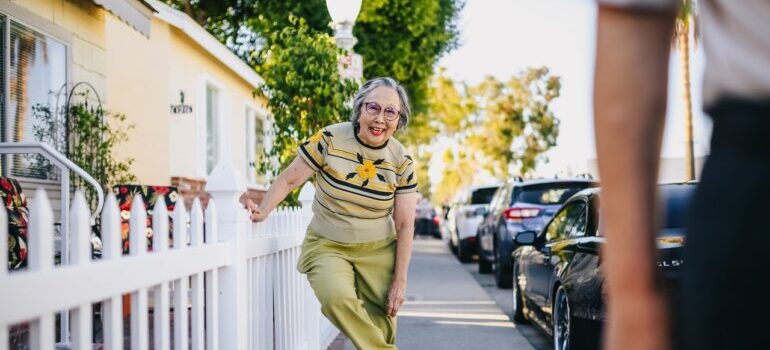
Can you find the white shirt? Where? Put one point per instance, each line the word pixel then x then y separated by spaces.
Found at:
pixel 736 39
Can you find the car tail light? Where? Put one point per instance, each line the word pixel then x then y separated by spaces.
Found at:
pixel 436 220
pixel 517 214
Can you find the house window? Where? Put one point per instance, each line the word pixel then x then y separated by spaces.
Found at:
pixel 255 146
pixel 34 72
pixel 212 129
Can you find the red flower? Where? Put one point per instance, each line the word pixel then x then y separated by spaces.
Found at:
pixel 6 184
pixel 23 253
pixel 160 190
pixel 126 205
pixel 123 190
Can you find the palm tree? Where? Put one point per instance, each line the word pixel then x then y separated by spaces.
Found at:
pixel 686 20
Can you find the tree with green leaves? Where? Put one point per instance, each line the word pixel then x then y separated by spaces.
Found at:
pixel 302 86
pixel 516 124
pixel 397 38
pixel 448 113
pixel 402 39
pixel 459 170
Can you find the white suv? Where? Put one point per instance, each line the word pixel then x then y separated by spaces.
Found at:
pixel 464 218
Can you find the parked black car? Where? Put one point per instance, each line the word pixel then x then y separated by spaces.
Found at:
pixel 557 280
pixel 519 206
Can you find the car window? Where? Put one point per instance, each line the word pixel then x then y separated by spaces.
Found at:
pixel 550 193
pixel 562 224
pixel 502 199
pixel 483 195
pixel 675 201
pixel 495 202
pixel 579 228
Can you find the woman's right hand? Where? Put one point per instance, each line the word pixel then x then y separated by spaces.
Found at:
pixel 255 213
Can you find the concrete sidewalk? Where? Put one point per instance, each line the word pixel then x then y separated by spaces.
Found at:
pixel 447 309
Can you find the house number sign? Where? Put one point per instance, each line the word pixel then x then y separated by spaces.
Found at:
pixel 181 108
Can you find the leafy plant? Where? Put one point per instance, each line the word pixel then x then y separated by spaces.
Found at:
pixel 48 127
pixel 88 140
pixel 303 88
pixel 93 134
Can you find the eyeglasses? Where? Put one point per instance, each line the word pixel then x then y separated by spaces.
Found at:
pixel 374 109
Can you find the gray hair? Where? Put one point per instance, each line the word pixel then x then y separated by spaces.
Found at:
pixel 369 86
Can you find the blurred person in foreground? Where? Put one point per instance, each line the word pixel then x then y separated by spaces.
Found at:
pixel 726 240
pixel 358 245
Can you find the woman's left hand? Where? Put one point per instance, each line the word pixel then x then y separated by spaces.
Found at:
pixel 396 296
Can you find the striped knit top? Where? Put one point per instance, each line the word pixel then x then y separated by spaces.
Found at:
pixel 356 184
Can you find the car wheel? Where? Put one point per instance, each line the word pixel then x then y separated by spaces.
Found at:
pixel 502 271
pixel 518 301
pixel 464 253
pixel 563 324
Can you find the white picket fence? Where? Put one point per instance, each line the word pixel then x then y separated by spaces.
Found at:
pixel 236 279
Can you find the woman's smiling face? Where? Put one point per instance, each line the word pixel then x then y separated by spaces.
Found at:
pixel 379 116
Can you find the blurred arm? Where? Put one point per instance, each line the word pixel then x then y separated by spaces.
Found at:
pixel 631 78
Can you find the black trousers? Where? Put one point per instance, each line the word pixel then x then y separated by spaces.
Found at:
pixel 725 302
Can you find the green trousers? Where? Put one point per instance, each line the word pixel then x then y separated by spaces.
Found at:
pixel 351 281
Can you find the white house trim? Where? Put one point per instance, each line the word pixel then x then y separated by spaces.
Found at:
pixel 222 121
pixel 135 13
pixel 198 34
pixel 261 114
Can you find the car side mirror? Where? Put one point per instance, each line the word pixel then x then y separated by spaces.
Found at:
pixel 526 237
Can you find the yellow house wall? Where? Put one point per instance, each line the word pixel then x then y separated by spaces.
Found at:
pixel 144 78
pixel 191 69
pixel 141 78
pixel 137 80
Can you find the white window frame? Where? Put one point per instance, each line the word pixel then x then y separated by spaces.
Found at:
pixel 27 18
pixel 206 81
pixel 252 113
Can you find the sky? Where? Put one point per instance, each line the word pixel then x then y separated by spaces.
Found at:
pixel 503 37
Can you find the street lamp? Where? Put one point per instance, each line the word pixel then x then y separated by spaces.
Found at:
pixel 344 13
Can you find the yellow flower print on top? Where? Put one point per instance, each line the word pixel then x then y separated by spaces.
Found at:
pixel 317 137
pixel 367 170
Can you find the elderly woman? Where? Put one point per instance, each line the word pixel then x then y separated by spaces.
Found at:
pixel 359 242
